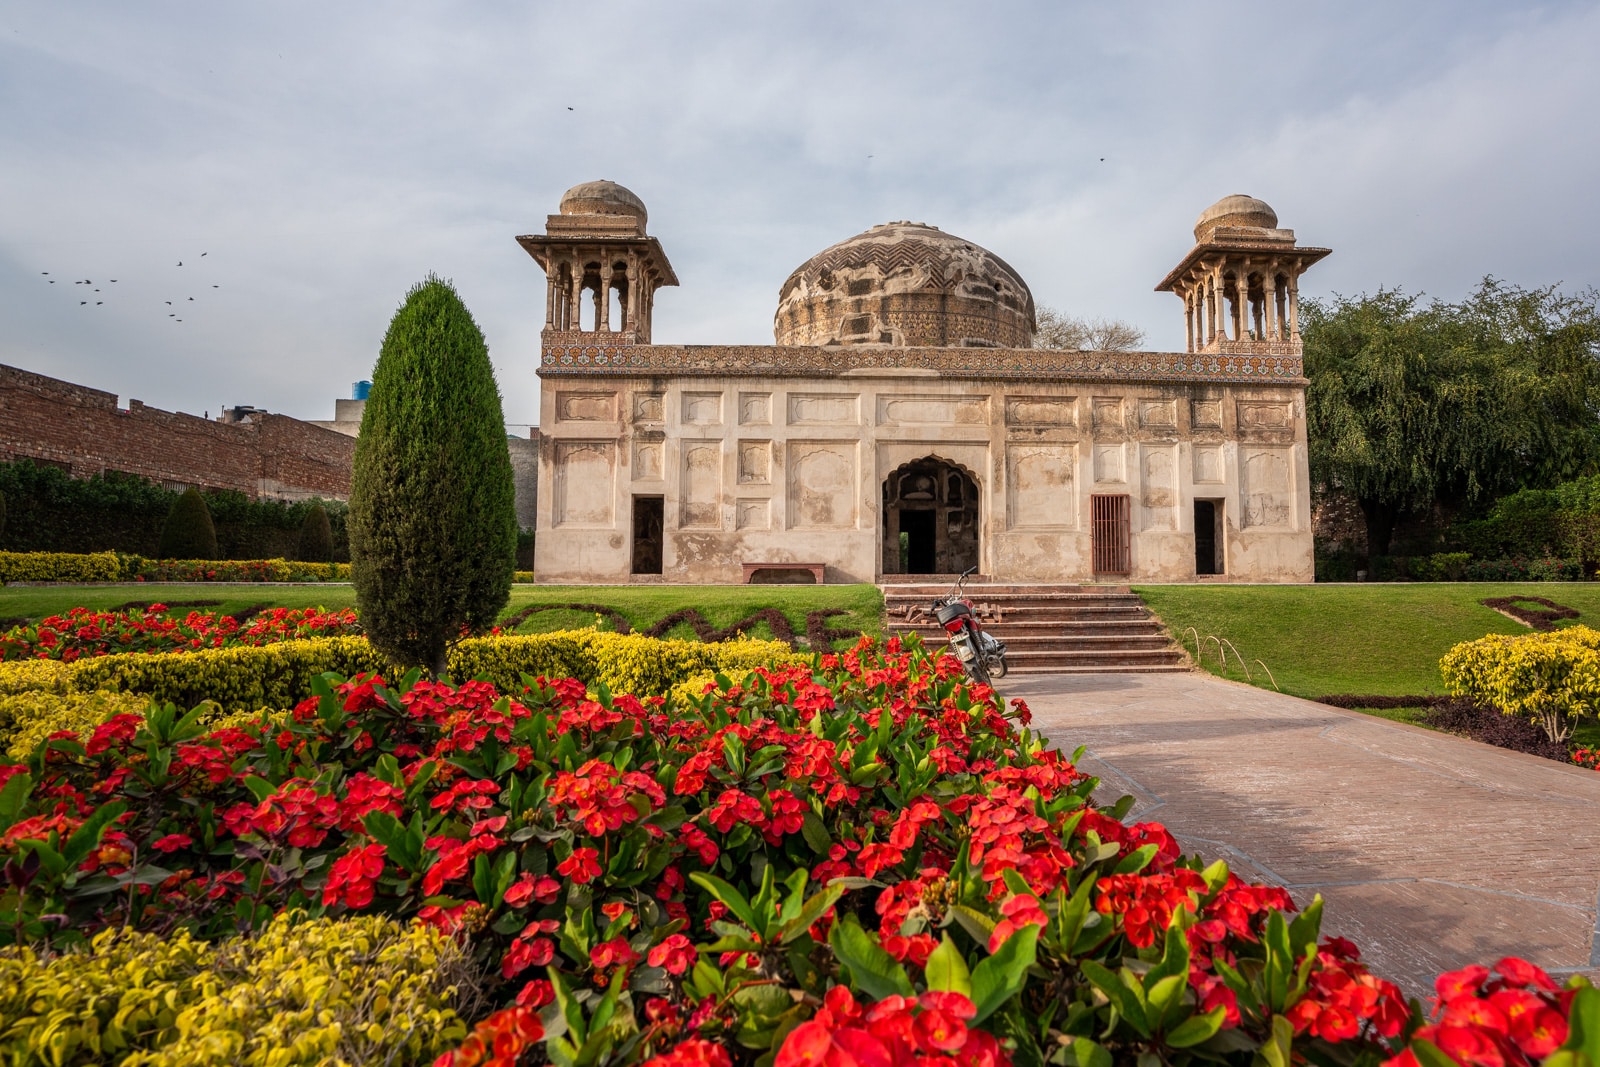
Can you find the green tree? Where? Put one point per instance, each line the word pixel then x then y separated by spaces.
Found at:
pixel 189 532
pixel 316 536
pixel 432 520
pixel 1410 406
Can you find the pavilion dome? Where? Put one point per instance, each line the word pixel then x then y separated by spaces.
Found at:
pixel 602 198
pixel 905 283
pixel 1236 210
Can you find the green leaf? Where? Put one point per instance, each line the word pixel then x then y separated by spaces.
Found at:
pixel 815 833
pixel 1084 1052
pixel 1584 1035
pixel 1000 977
pixel 1196 1028
pixel 1277 1050
pixel 872 969
pixel 731 898
pixel 947 970
pixel 1136 860
pixel 795 928
pixel 977 925
pixel 87 836
pixel 259 787
pixel 1306 929
pixel 1121 997
pixel 13 797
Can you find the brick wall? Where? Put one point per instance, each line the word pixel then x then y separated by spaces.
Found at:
pixel 83 431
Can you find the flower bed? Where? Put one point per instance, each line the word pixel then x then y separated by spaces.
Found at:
pixel 856 862
pixel 86 632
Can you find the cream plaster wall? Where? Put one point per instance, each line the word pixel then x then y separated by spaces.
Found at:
pixel 789 469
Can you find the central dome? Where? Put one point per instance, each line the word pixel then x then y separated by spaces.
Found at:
pixel 603 197
pixel 905 283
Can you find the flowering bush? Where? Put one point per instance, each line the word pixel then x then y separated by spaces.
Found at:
pixel 123 567
pixel 86 632
pixel 860 861
pixel 1552 678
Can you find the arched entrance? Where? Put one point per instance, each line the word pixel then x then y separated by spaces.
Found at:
pixel 930 518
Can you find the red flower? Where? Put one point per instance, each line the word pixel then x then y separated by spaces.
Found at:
pixel 351 876
pixel 676 954
pixel 582 866
pixel 172 842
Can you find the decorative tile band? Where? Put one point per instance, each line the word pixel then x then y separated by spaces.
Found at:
pixel 772 361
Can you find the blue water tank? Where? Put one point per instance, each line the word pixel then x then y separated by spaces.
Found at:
pixel 359 390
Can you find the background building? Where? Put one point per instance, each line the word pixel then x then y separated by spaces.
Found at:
pixel 902 423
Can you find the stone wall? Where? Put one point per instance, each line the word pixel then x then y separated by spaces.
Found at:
pixel 83 431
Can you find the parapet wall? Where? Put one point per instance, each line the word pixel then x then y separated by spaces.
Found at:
pixel 83 431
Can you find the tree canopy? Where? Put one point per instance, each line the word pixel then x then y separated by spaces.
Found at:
pixel 1412 405
pixel 1073 334
pixel 433 524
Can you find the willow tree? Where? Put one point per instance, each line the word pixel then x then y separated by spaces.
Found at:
pixel 432 521
pixel 1412 405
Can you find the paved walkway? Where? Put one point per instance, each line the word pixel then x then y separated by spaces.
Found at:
pixel 1430 851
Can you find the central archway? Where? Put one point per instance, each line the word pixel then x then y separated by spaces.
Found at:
pixel 930 518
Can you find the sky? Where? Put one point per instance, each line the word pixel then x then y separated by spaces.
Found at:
pixel 307 163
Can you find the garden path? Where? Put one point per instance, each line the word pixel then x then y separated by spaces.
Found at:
pixel 1430 851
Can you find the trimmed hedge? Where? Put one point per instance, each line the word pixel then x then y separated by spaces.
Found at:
pixel 280 675
pixel 121 567
pixel 60 567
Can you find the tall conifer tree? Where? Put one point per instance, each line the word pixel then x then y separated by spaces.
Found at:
pixel 433 527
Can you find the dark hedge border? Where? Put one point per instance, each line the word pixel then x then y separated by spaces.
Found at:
pixel 1351 701
pixel 1543 621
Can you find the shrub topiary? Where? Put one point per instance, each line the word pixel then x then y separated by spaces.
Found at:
pixel 316 537
pixel 189 532
pixel 433 525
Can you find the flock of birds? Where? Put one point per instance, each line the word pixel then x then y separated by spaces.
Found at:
pixel 174 315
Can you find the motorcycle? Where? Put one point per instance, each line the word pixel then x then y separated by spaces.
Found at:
pixel 982 655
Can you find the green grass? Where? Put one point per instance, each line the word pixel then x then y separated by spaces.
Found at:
pixel 1382 638
pixel 640 605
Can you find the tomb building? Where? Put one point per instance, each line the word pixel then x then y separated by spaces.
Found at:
pixel 903 423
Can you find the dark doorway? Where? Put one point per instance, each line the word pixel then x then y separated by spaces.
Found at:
pixel 917 533
pixel 930 518
pixel 647 534
pixel 1207 545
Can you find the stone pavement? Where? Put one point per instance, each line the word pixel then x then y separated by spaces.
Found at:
pixel 1430 851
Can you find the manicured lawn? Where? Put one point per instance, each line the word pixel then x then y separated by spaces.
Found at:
pixel 642 606
pixel 1380 638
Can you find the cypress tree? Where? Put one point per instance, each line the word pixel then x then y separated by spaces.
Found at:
pixel 189 532
pixel 316 536
pixel 432 520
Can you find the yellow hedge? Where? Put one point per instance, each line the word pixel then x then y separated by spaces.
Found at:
pixel 242 678
pixel 26 719
pixel 623 663
pixel 1552 678
pixel 279 676
pixel 60 567
pixel 38 675
pixel 359 991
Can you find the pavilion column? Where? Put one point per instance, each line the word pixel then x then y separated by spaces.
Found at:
pixel 1188 320
pixel 1294 308
pixel 575 310
pixel 602 311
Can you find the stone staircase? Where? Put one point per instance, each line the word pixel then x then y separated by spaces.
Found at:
pixel 1048 629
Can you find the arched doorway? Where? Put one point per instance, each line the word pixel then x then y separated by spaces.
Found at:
pixel 930 518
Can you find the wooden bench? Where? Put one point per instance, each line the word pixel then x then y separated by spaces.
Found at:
pixel 816 569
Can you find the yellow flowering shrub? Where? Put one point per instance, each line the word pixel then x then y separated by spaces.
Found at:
pixel 358 991
pixel 1552 678
pixel 60 567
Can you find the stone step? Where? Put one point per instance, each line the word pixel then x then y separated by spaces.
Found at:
pixel 1047 628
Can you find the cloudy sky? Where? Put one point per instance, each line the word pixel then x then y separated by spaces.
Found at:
pixel 307 162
